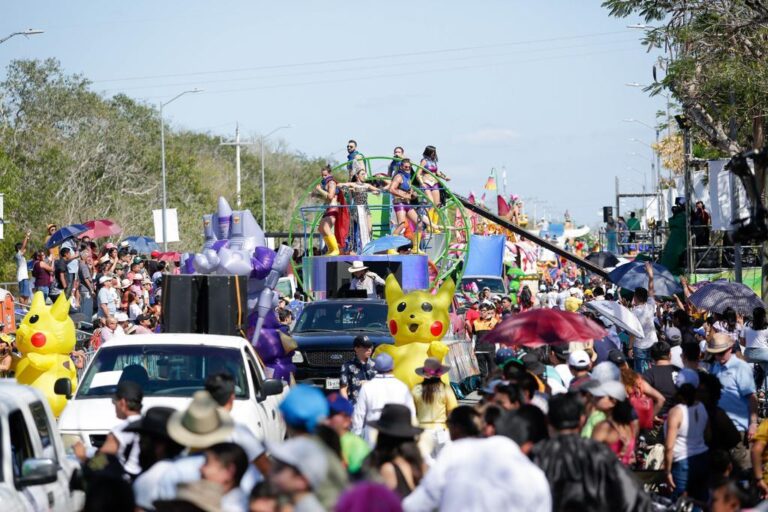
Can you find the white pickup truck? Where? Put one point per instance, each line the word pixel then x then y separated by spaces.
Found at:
pixel 170 368
pixel 35 473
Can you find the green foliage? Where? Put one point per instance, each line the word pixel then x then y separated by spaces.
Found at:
pixel 68 154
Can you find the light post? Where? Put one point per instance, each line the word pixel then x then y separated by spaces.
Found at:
pixel 28 32
pixel 162 157
pixel 263 181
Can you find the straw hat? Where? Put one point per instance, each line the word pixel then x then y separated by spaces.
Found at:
pixel 720 342
pixel 203 494
pixel 202 424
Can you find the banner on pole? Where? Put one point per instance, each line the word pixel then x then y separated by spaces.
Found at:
pixel 171 222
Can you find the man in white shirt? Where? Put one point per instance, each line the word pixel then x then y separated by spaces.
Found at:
pixel 552 297
pixel 383 389
pixel 106 304
pixel 22 272
pixel 481 474
pixel 644 308
pixel 362 279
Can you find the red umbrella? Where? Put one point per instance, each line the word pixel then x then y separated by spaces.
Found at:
pixel 169 256
pixel 538 327
pixel 101 228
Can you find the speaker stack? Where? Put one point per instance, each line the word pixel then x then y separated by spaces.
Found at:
pixel 205 304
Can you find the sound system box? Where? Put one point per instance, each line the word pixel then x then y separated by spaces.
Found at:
pixel 607 213
pixel 206 304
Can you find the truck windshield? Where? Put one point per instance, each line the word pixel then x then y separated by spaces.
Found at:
pixel 340 316
pixel 161 370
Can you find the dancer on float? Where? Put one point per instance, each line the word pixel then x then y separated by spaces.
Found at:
pixel 359 190
pixel 427 176
pixel 327 190
pixel 402 193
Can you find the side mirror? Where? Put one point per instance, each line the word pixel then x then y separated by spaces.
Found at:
pixel 63 387
pixel 37 472
pixel 271 387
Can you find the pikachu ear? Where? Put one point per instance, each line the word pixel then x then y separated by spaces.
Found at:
pixel 60 308
pixel 392 290
pixel 444 294
pixel 38 303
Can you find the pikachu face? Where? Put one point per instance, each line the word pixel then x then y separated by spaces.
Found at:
pixel 46 330
pixel 418 316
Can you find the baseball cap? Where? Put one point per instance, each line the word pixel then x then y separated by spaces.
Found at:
pixel 339 405
pixel 605 371
pixel 303 454
pixel 154 254
pixel 136 260
pixel 579 359
pixel 362 341
pixel 502 355
pixel 687 376
pixel 304 407
pixel 611 388
pixel 617 357
pixel 130 391
pixel 104 279
pixel 533 364
pixel 561 351
pixel 490 388
pixel 383 363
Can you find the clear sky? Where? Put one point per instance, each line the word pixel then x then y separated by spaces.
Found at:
pixel 533 86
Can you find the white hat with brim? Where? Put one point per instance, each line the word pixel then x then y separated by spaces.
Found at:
pixel 303 454
pixel 357 266
pixel 720 342
pixel 202 424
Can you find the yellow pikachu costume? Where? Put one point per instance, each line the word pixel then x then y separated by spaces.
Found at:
pixel 45 339
pixel 417 321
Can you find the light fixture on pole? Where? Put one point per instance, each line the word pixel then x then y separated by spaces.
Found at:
pixel 28 32
pixel 263 181
pixel 657 153
pixel 162 157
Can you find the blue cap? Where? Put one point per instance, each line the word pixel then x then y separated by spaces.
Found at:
pixel 304 407
pixel 383 363
pixel 340 405
pixel 491 387
pixel 503 354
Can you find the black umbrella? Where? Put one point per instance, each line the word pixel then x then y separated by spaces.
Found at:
pixel 603 259
pixel 719 295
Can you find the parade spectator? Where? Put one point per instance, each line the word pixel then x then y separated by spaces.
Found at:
pixel 755 336
pixel 42 271
pixel 579 364
pixel 661 376
pixel 434 401
pixel 483 325
pixel 583 474
pixel 644 308
pixel 482 474
pixel 619 430
pixel 225 464
pixel 22 271
pixel 110 329
pixel 157 451
pixel 396 457
pixel 300 467
pixel 359 370
pixel 464 422
pixel 107 307
pixel 354 449
pixel 738 394
pixel 383 389
pixel 686 454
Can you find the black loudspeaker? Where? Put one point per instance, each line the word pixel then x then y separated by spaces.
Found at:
pixel 205 304
pixel 223 308
pixel 180 295
pixel 607 213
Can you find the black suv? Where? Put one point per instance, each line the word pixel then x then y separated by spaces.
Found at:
pixel 324 332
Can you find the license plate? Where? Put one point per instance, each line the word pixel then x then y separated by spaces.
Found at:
pixel 332 383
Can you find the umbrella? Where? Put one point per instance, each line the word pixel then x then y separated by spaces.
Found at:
pixel 64 234
pixel 603 259
pixel 102 228
pixel 170 256
pixel 618 315
pixel 632 275
pixel 384 244
pixel 142 244
pixel 537 327
pixel 719 295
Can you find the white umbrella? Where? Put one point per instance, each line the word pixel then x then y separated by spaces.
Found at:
pixel 620 316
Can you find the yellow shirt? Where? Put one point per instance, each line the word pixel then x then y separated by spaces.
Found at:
pixel 435 414
pixel 762 435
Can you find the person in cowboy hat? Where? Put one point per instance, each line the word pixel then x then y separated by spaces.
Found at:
pixel 362 279
pixel 738 397
pixel 434 401
pixel 396 456
pixel 156 452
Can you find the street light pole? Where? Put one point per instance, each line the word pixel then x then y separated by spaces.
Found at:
pixel 28 32
pixel 162 157
pixel 263 181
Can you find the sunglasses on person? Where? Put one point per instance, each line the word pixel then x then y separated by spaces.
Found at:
pixel 350 147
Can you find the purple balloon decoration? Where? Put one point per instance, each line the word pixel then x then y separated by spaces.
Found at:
pixel 262 260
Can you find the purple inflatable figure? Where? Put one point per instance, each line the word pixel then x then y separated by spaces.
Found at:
pixel 235 245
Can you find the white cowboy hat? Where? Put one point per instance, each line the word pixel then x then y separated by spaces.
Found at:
pixel 357 266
